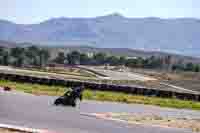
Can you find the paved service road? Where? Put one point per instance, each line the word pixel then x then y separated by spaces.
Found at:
pixel 38 112
pixel 117 75
pixel 11 70
pixel 113 75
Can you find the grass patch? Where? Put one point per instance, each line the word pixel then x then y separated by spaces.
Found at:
pixel 102 95
pixel 34 88
pixel 128 98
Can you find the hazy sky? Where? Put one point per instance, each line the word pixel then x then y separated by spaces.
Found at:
pixel 34 11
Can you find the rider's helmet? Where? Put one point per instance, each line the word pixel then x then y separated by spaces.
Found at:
pixel 79 88
pixel 82 86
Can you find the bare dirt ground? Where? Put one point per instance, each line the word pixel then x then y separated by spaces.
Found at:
pixel 187 80
pixel 158 79
pixel 9 131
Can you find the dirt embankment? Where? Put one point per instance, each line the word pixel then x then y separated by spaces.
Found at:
pixel 187 80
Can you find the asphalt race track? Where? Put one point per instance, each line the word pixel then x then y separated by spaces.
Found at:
pixel 26 110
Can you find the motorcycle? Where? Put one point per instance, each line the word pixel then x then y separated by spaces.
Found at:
pixel 70 98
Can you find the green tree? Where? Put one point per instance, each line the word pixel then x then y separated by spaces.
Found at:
pixel 168 62
pixel 100 58
pixel 4 56
pixel 176 67
pixel 113 60
pixel 153 62
pixel 190 67
pixel 122 60
pixel 197 68
pixel 2 51
pixel 84 59
pixel 74 58
pixel 131 63
pixel 32 54
pixel 44 57
pixel 140 62
pixel 60 59
pixel 19 56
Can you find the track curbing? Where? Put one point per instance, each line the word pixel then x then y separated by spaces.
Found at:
pixel 105 116
pixel 24 129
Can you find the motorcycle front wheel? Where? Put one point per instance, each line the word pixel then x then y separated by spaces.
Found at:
pixel 76 102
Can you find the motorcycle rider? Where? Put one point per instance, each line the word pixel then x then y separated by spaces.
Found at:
pixel 71 96
pixel 77 91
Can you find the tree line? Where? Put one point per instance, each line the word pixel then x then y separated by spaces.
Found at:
pixel 20 56
pixel 40 57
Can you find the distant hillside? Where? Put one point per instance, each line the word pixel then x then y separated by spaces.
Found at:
pixel 10 44
pixel 111 31
pixel 7 44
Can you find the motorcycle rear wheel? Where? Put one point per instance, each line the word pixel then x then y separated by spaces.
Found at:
pixel 57 102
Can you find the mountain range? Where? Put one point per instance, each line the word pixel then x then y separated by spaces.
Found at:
pixel 177 35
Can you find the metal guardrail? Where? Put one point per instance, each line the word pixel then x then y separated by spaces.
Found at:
pixel 101 86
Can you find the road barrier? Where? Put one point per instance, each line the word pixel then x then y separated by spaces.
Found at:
pixel 101 86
